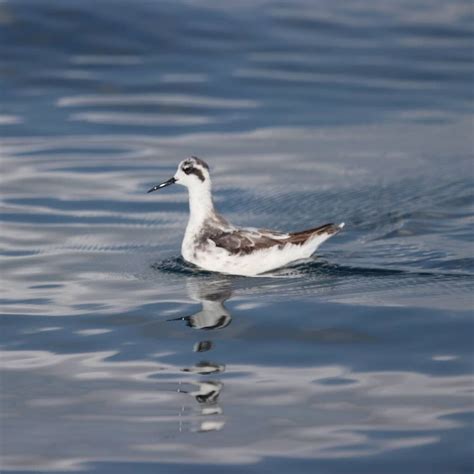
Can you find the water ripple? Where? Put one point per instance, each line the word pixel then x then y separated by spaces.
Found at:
pixel 115 350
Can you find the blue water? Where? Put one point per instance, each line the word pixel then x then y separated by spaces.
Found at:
pixel 116 356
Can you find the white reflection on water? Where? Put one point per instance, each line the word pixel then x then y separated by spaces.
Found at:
pixel 95 406
pixel 383 143
pixel 305 415
pixel 10 119
pixel 131 119
pixel 96 59
pixel 156 99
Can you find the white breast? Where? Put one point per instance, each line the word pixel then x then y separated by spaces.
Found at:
pixel 217 259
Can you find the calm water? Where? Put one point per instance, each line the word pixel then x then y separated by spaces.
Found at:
pixel 119 358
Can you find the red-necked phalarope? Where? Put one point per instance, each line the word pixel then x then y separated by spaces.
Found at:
pixel 212 243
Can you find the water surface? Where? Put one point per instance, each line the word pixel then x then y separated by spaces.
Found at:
pixel 117 356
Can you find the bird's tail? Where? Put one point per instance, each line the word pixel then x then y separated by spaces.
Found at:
pixel 325 231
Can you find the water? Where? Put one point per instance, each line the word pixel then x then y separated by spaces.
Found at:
pixel 117 356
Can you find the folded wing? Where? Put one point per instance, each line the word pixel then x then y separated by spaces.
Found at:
pixel 246 241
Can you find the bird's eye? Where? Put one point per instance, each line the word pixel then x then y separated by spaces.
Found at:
pixel 187 169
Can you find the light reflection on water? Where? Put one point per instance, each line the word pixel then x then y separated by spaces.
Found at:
pixel 311 411
pixel 115 351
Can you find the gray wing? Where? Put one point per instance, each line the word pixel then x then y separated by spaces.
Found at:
pixel 245 241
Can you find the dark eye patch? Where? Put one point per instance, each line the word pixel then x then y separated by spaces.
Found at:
pixel 190 170
pixel 188 166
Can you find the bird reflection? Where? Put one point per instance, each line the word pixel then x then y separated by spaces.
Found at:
pixel 203 346
pixel 205 368
pixel 207 393
pixel 211 294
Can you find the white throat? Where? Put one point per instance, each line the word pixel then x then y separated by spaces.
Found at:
pixel 200 209
pixel 200 203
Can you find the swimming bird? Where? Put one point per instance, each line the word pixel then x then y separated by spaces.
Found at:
pixel 214 244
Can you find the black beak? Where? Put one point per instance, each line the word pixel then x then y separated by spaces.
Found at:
pixel 162 185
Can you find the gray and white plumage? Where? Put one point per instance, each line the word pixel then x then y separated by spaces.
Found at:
pixel 214 244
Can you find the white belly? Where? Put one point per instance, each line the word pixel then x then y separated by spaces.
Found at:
pixel 217 259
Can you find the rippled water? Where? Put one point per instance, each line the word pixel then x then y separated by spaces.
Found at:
pixel 117 356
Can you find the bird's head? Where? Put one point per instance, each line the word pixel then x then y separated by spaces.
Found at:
pixel 192 173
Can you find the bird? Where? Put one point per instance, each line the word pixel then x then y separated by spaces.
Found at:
pixel 213 244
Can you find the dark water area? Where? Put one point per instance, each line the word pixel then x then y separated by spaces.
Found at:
pixel 119 357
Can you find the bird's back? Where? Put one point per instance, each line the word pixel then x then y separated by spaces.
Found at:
pixel 245 241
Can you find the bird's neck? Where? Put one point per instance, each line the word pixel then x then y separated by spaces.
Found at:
pixel 200 204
